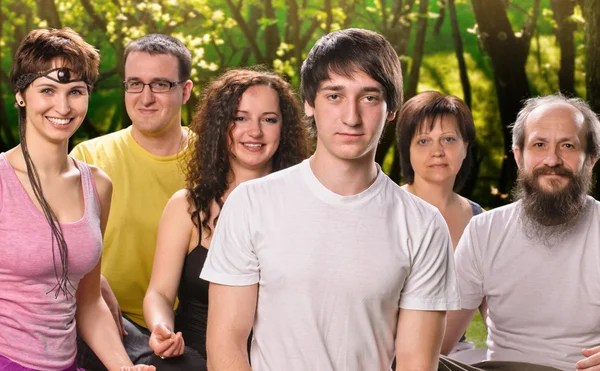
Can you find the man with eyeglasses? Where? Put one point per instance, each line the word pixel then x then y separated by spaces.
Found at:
pixel 144 162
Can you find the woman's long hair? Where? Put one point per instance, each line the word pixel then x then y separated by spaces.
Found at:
pixel 209 165
pixel 35 55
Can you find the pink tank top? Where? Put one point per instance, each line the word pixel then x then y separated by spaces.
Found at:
pixel 37 329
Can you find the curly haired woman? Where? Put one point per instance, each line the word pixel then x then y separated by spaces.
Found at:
pixel 248 125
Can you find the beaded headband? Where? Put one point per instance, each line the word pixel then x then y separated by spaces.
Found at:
pixel 63 75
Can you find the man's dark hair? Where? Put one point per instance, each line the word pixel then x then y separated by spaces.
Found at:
pixel 163 44
pixel 348 51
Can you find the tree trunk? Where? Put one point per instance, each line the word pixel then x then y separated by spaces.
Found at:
pixel 565 30
pixel 413 78
pixel 46 10
pixel 398 34
pixel 271 35
pixel 508 54
pixel 441 18
pixel 591 10
pixel 460 53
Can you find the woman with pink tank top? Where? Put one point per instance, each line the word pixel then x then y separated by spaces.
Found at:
pixel 53 210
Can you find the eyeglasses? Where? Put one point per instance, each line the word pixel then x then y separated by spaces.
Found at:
pixel 155 86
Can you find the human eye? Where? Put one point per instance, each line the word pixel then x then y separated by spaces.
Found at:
pixel 46 91
pixel 371 98
pixel 134 84
pixel 239 118
pixel 538 145
pixel 272 120
pixel 422 141
pixel 333 97
pixel 160 84
pixel 76 92
pixel 569 146
pixel 449 139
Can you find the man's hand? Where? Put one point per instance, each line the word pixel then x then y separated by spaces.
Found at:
pixel 592 362
pixel 165 343
pixel 112 303
pixel 138 368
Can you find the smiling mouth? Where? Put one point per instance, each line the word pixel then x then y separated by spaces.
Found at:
pixel 253 145
pixel 57 121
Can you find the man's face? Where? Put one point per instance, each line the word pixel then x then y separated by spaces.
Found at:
pixel 350 114
pixel 554 171
pixel 155 113
pixel 554 147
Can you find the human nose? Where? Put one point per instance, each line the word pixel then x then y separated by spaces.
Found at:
pixel 147 96
pixel 255 128
pixel 63 106
pixel 438 149
pixel 552 158
pixel 351 116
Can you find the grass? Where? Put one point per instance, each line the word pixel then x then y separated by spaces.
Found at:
pixel 477 332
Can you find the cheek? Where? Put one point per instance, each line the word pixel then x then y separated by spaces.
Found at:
pixel 273 133
pixel 230 135
pixel 416 157
pixel 82 104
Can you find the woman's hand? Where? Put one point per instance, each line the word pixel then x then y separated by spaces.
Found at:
pixel 138 368
pixel 165 343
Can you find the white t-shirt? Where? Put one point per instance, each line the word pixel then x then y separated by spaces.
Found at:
pixel 332 270
pixel 544 302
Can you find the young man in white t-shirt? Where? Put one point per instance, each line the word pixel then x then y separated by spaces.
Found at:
pixel 331 264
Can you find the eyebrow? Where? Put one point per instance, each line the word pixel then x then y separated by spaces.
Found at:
pixel 50 85
pixel 364 89
pixel 537 138
pixel 155 79
pixel 264 113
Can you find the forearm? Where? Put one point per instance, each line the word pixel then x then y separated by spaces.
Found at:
pixel 226 356
pixel 97 328
pixel 157 309
pixel 456 325
pixel 419 339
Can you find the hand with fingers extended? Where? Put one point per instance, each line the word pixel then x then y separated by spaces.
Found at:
pixel 138 368
pixel 165 343
pixel 592 360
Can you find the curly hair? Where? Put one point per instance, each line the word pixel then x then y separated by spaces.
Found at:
pixel 208 168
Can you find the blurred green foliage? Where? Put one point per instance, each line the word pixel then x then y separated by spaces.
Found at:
pixel 278 33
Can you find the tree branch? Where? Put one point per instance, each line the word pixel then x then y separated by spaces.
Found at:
pixel 308 34
pixel 384 15
pixel 530 25
pixel 401 12
pixel 98 22
pixel 246 31
pixel 440 21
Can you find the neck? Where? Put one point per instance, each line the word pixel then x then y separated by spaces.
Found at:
pixel 344 177
pixel 166 143
pixel 48 158
pixel 439 195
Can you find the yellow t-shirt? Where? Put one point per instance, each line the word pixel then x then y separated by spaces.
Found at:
pixel 142 185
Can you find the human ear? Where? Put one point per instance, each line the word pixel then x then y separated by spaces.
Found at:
pixel 309 110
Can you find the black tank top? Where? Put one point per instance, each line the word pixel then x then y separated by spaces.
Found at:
pixel 192 311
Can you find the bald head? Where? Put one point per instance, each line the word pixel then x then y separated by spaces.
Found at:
pixel 555 111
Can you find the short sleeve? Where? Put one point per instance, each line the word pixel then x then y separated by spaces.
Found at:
pixel 431 283
pixel 231 257
pixel 468 269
